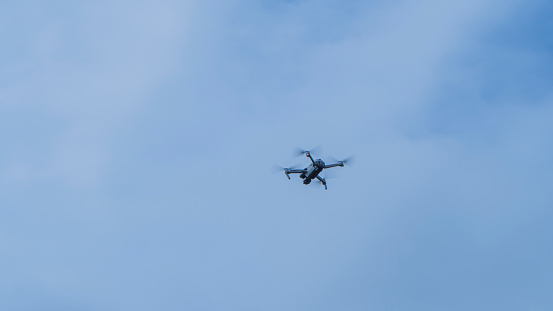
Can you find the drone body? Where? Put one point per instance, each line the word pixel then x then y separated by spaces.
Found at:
pixel 312 171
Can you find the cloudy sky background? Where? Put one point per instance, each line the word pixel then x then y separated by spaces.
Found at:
pixel 138 139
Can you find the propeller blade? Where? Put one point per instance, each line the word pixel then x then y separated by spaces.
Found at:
pixel 278 169
pixel 329 174
pixel 349 160
pixel 298 151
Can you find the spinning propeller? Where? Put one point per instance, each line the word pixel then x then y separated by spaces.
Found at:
pixel 298 152
pixel 349 160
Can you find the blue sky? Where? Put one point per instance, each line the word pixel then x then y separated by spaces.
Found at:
pixel 138 140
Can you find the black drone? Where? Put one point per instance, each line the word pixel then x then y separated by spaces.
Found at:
pixel 312 171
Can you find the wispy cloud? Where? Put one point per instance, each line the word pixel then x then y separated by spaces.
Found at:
pixel 137 141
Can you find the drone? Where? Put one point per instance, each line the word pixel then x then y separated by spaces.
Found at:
pixel 312 171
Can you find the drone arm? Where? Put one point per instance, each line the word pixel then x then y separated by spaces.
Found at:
pixel 308 154
pixel 291 171
pixel 287 172
pixel 340 163
pixel 323 181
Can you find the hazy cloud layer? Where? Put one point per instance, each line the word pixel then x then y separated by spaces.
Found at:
pixel 138 141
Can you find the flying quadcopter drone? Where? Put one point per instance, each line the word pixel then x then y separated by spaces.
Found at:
pixel 312 171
